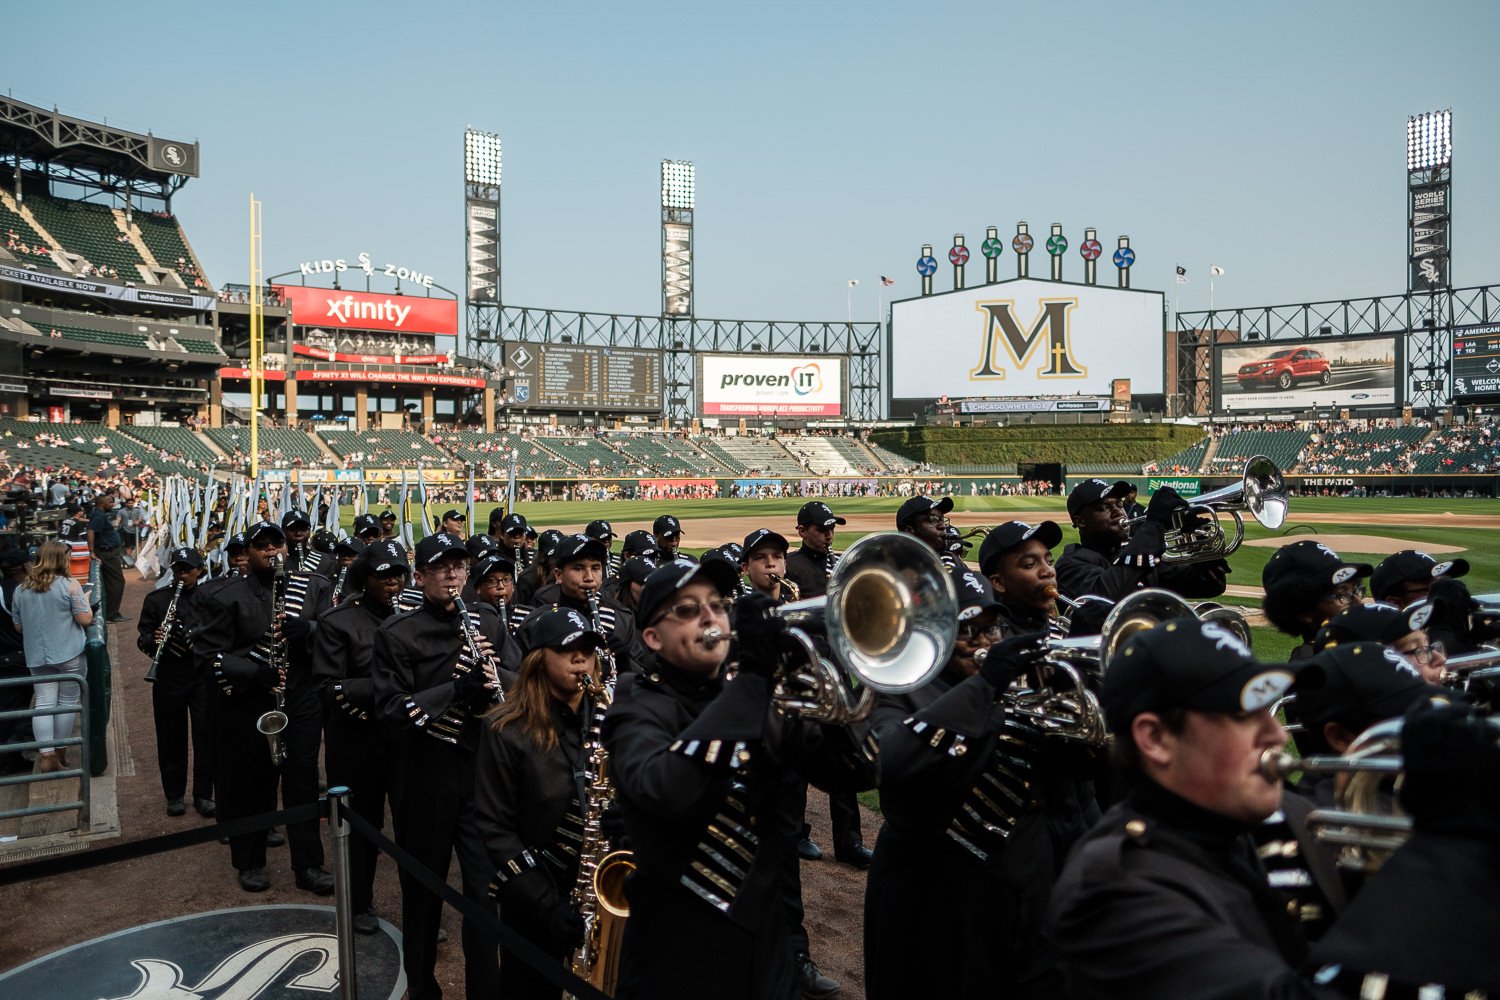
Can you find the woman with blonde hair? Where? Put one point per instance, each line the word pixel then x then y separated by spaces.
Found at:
pixel 51 613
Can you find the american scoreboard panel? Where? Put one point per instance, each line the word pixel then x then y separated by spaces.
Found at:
pixel 1476 362
pixel 583 377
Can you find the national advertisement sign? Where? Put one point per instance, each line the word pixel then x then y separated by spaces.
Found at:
pixel 1185 487
pixel 770 385
pixel 335 309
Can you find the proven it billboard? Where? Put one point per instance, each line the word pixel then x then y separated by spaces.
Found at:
pixel 333 309
pixel 781 385
pixel 1301 374
pixel 1025 338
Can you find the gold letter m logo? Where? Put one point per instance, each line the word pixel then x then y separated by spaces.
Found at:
pixel 1002 330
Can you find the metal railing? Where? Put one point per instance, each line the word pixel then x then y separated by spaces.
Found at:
pixel 81 741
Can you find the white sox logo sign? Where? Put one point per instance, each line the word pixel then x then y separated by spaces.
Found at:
pixel 247 973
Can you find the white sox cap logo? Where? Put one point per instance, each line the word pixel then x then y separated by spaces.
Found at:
pixel 1398 661
pixel 1419 617
pixel 1344 574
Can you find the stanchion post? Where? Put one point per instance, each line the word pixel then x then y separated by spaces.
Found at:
pixel 343 906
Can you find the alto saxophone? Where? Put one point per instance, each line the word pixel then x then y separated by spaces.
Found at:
pixel 273 723
pixel 599 891
pixel 166 635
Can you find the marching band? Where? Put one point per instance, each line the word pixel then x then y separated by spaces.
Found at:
pixel 1081 776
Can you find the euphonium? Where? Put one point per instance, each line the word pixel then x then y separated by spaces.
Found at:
pixel 599 891
pixel 1261 491
pixel 273 723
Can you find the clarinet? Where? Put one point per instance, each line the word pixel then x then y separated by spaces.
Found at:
pixel 448 727
pixel 338 586
pixel 166 624
pixel 273 723
pixel 606 655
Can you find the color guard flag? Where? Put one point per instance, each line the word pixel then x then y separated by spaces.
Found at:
pixel 853 282
pixel 1182 278
pixel 1216 270
pixel 888 282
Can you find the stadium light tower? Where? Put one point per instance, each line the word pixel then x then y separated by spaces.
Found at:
pixel 678 196
pixel 1429 221
pixel 482 244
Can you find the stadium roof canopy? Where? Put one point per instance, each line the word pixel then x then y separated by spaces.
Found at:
pixel 92 153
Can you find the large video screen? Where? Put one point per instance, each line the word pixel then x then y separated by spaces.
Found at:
pixel 1026 338
pixel 770 385
pixel 1302 374
pixel 582 377
pixel 1476 362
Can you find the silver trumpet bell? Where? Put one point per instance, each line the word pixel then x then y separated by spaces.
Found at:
pixel 890 618
pixel 1261 491
pixel 270 725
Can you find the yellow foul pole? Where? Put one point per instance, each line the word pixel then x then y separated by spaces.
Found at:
pixel 257 338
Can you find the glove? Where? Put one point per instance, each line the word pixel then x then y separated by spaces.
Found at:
pixel 266 677
pixel 564 926
pixel 468 685
pixel 1009 658
pixel 1165 503
pixel 1452 763
pixel 1451 605
pixel 1147 542
pixel 762 634
pixel 296 630
pixel 1088 618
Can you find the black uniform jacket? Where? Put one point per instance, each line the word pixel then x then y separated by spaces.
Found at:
pixel 707 780
pixel 310 560
pixel 1086 570
pixel 526 806
pixel 619 624
pixel 234 619
pixel 1164 899
pixel 808 570
pixel 412 673
pixel 177 656
pixel 343 650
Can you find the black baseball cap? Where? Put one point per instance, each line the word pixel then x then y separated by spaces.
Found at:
pixel 575 547
pixel 260 528
pixel 725 555
pixel 439 546
pixel 1186 663
pixel 387 515
pixel 530 533
pixel 548 541
pixel 512 522
pixel 917 506
pixel 759 537
pixel 385 556
pixel 1092 491
pixel 600 530
pixel 1362 683
pixel 636 570
pixel 640 541
pixel 1380 623
pixel 492 563
pixel 733 551
pixel 366 523
pixel 478 545
pixel 666 525
pixel 293 518
pixel 324 540
pixel 454 515
pixel 1309 562
pixel 185 556
pixel 1004 537
pixel 817 514
pixel 561 628
pixel 235 541
pixel 1411 566
pixel 669 579
pixel 349 546
pixel 975 596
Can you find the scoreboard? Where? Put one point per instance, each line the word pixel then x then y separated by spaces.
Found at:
pixel 1476 362
pixel 583 377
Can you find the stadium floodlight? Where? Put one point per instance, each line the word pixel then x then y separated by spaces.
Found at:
pixel 677 184
pixel 1429 140
pixel 481 158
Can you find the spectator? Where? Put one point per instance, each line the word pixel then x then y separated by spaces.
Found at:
pixel 51 613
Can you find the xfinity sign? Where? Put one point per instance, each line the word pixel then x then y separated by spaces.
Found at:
pixel 772 385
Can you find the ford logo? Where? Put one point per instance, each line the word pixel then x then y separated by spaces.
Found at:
pixel 1359 395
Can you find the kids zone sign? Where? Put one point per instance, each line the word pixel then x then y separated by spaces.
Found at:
pixel 748 385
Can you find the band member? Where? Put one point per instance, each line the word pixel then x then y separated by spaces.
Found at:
pixel 1403 632
pixel 1111 558
pixel 179 698
pixel 1133 507
pixel 345 551
pixel 980 809
pixel 704 777
pixel 237 555
pixel 324 541
pixel 540 573
pixel 627 590
pixel 480 546
pixel 300 556
pixel 493 582
pixel 454 522
pixel 604 534
pixel 513 540
pixel 527 801
pixel 1405 577
pixel 1164 896
pixel 431 694
pixel 810 566
pixel 927 519
pixel 388 524
pixel 1016 557
pixel 367 529
pixel 641 544
pixel 1306 584
pixel 667 531
pixel 578 562
pixel 252 656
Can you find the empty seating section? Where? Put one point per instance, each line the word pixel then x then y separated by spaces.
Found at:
pixel 178 442
pixel 893 462
pixel 167 244
pixel 590 456
pixel 819 456
pixel 667 456
pixel 481 449
pixel 1384 449
pixel 1105 469
pixel 194 346
pixel 1187 460
pixel 279 447
pixel 112 338
pixel 1281 447
pixel 87 229
pixel 754 456
pixel 858 458
pixel 385 448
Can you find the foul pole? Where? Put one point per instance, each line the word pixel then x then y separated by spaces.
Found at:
pixel 257 337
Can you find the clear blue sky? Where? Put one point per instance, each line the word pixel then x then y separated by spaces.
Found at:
pixel 831 139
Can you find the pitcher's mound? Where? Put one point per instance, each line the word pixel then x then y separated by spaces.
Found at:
pixel 1376 545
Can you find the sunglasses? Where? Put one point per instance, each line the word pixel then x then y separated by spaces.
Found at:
pixel 690 610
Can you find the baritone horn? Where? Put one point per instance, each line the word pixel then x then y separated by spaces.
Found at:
pixel 1261 491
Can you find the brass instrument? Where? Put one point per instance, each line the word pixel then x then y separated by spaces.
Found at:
pixel 1261 491
pixel 166 636
pixel 1480 666
pixel 599 891
pixel 273 723
pixel 789 589
pixel 448 727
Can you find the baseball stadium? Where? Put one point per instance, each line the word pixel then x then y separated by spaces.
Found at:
pixel 346 423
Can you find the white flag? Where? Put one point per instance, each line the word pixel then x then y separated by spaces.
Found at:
pixel 1215 269
pixel 853 282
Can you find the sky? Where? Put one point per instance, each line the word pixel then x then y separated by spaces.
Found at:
pixel 831 140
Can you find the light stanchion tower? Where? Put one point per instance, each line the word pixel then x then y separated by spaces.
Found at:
pixel 679 184
pixel 1429 204
pixel 482 245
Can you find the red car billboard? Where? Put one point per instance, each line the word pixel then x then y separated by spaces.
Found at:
pixel 1302 374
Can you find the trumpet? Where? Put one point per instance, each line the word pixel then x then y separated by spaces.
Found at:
pixel 1261 491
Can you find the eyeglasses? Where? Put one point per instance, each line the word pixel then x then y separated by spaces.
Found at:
pixel 1423 655
pixel 690 610
pixel 936 520
pixel 1347 597
pixel 990 632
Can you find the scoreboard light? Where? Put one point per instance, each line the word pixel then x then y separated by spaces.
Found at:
pixel 481 158
pixel 1429 140
pixel 677 184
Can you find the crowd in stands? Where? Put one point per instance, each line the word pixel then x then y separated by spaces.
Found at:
pixel 15 243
